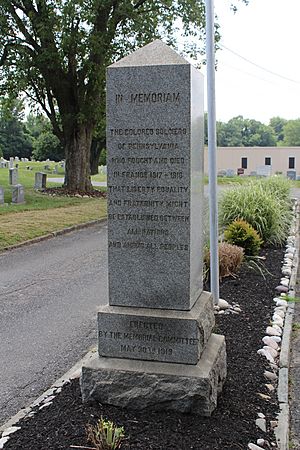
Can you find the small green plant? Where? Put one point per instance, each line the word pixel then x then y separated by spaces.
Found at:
pixel 242 234
pixel 105 435
pixel 296 326
pixel 230 259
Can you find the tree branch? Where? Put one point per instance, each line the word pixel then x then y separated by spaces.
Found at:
pixel 23 29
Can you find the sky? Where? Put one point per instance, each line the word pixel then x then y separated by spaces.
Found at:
pixel 267 33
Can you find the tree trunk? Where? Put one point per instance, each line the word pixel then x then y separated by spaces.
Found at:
pixel 96 148
pixel 77 150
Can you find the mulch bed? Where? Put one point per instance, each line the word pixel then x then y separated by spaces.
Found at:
pixel 232 426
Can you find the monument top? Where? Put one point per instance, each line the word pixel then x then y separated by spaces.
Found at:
pixel 154 54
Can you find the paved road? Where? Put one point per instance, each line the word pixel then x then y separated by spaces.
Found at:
pixel 49 293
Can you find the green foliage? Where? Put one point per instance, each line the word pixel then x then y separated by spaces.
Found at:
pixel 242 234
pixel 47 146
pixel 105 435
pixel 102 160
pixel 240 132
pixel 14 138
pixel 291 131
pixel 279 187
pixel 268 214
pixel 277 124
pixel 230 259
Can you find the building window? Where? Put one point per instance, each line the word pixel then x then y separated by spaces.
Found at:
pixel 244 163
pixel 267 161
pixel 292 162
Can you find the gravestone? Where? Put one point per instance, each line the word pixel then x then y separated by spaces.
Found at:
pixel 156 347
pixel 1 195
pixel 11 162
pixel 264 171
pixel 18 194
pixel 230 172
pixel 13 176
pixel 55 170
pixel 40 180
pixel 291 174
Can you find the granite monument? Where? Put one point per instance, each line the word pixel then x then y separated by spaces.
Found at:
pixel 40 180
pixel 156 347
pixel 13 176
pixel 18 194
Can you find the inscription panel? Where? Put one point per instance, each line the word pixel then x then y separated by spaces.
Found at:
pixel 149 186
pixel 152 339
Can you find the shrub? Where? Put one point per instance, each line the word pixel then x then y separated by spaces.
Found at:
pixel 230 259
pixel 258 205
pixel 242 234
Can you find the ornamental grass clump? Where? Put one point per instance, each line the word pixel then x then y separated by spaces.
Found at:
pixel 278 186
pixel 105 435
pixel 260 206
pixel 242 234
pixel 230 259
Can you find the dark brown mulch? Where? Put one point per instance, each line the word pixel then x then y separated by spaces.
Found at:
pixel 62 191
pixel 232 425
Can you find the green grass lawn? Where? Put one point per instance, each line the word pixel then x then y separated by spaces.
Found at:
pixel 42 214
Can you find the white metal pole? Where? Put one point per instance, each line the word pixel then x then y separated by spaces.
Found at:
pixel 212 166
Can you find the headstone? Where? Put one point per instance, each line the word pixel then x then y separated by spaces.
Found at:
pixel 13 176
pixel 1 195
pixel 16 158
pixel 264 171
pixel 230 173
pixel 46 167
pixel 221 173
pixel 55 170
pixel 291 174
pixel 17 194
pixel 253 173
pixel 40 180
pixel 240 171
pixel 11 162
pixel 156 346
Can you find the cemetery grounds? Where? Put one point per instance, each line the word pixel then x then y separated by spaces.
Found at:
pixel 42 214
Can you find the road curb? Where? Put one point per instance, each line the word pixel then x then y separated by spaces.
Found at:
pixel 283 427
pixel 44 398
pixel 53 234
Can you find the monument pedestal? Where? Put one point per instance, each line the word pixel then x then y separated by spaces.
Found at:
pixel 156 386
pixel 157 359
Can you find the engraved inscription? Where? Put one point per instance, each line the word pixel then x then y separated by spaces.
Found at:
pixel 149 339
pixel 155 97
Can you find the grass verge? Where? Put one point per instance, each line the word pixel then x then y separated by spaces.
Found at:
pixel 17 227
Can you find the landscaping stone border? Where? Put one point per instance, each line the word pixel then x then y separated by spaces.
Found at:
pixel 283 428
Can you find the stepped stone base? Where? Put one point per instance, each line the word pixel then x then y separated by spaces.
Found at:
pixel 156 334
pixel 156 386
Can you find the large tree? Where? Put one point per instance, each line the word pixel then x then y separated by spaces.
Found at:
pixel 291 132
pixel 57 51
pixel 240 132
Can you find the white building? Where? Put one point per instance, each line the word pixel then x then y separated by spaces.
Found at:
pixel 262 160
